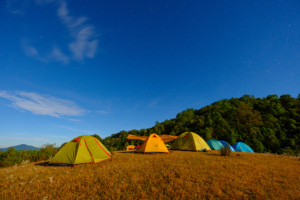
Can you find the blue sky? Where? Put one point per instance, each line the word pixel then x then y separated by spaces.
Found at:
pixel 70 68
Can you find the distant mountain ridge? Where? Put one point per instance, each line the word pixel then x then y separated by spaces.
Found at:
pixel 21 147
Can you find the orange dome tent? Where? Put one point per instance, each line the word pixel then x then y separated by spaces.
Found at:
pixel 153 144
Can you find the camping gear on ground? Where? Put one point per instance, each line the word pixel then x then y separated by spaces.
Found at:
pixel 153 144
pixel 80 150
pixel 224 143
pixel 214 144
pixel 240 146
pixel 165 138
pixel 130 147
pixel 204 150
pixel 189 141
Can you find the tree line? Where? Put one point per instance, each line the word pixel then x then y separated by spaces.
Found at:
pixel 269 124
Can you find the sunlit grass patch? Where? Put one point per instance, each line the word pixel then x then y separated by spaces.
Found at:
pixel 179 175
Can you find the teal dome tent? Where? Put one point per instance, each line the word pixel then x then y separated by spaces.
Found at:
pixel 214 144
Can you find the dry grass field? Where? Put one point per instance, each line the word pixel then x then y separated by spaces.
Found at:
pixel 178 175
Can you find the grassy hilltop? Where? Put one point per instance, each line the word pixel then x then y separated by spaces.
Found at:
pixel 178 175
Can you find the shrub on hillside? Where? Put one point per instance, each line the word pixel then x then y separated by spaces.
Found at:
pixel 12 156
pixel 226 151
pixel 288 151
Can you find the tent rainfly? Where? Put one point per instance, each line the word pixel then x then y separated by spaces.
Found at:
pixel 214 144
pixel 224 143
pixel 189 141
pixel 165 138
pixel 80 150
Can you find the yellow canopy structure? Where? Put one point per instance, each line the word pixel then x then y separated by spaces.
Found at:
pixel 164 138
pixel 80 150
pixel 153 144
pixel 168 138
pixel 130 147
pixel 134 137
pixel 189 141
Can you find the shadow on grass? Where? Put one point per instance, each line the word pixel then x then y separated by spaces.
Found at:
pixel 42 163
pixel 148 153
pixel 126 152
pixel 232 155
pixel 45 164
pixel 213 154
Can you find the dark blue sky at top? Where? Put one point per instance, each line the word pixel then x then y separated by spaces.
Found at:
pixel 69 68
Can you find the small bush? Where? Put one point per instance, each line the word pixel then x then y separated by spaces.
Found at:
pixel 226 151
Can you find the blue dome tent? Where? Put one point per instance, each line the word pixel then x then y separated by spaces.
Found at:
pixel 240 146
pixel 224 143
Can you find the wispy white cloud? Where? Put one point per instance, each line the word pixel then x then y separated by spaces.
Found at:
pixel 73 129
pixel 102 112
pixel 83 44
pixel 29 50
pixel 19 9
pixel 22 138
pixel 43 105
pixel 82 47
pixel 22 134
pixel 56 54
pixel 43 1
pixel 59 56
pixel 55 136
pixel 154 102
pixel 75 120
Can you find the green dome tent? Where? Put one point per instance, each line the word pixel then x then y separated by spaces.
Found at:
pixel 80 150
pixel 189 141
pixel 214 144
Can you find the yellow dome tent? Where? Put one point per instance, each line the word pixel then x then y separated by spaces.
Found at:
pixel 130 147
pixel 153 144
pixel 189 141
pixel 80 150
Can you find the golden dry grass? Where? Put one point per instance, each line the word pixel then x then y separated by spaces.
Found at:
pixel 178 175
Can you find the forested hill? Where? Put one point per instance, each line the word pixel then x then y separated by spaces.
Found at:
pixel 269 124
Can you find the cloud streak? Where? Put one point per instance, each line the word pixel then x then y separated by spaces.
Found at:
pixel 59 56
pixel 55 136
pixel 84 41
pixel 153 103
pixel 22 138
pixel 73 129
pixel 74 120
pixel 102 112
pixel 43 105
